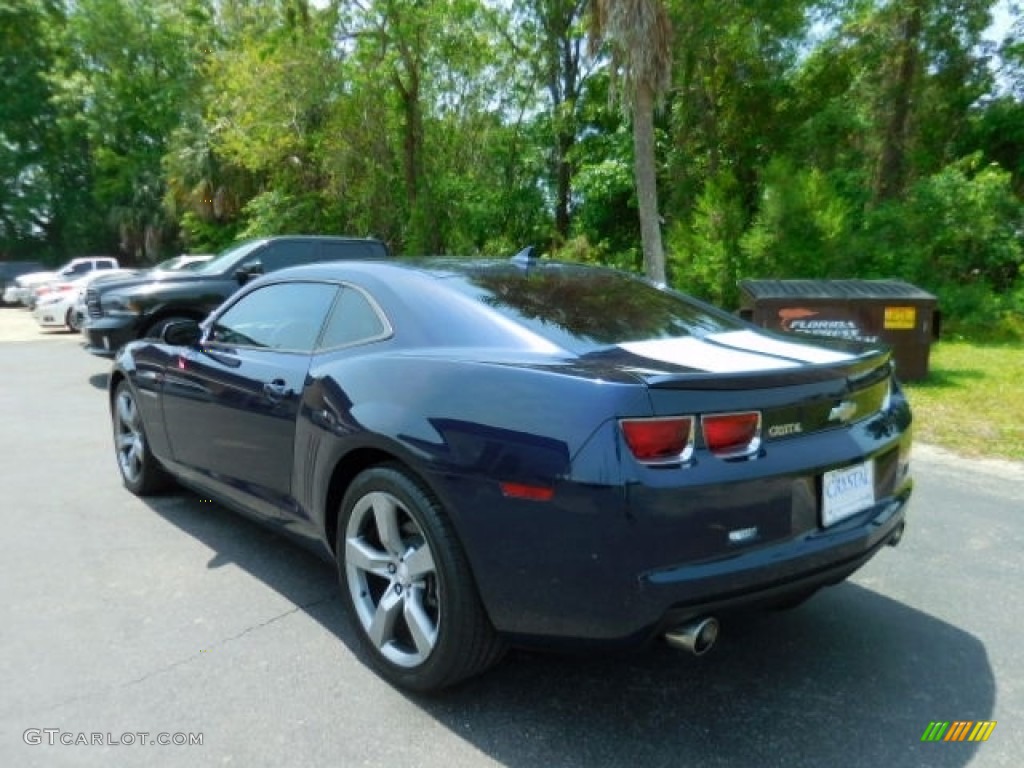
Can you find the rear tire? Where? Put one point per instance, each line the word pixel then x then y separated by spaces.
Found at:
pixel 140 471
pixel 407 585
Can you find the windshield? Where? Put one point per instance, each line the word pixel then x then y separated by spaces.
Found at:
pixel 583 310
pixel 230 259
pixel 169 264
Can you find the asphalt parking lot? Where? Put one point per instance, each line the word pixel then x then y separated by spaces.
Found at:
pixel 172 616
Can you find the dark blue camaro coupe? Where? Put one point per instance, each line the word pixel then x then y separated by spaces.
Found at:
pixel 523 452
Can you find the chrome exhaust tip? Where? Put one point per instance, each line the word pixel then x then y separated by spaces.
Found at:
pixel 696 636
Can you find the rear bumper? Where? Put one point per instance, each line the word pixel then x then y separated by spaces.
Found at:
pixel 819 559
pixel 665 598
pixel 51 315
pixel 613 567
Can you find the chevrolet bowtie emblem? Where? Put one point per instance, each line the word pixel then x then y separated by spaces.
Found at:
pixel 843 412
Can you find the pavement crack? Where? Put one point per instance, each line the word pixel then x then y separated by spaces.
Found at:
pixel 191 658
pixel 278 617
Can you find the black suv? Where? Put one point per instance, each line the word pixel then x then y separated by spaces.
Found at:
pixel 121 310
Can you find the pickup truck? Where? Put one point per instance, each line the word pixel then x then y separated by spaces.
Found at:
pixel 122 310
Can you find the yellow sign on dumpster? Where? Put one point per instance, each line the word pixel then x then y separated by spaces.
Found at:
pixel 900 318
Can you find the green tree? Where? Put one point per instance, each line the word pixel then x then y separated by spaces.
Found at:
pixel 548 39
pixel 732 106
pixel 25 115
pixel 128 77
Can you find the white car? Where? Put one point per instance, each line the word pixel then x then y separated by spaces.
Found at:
pixel 19 291
pixel 26 285
pixel 61 307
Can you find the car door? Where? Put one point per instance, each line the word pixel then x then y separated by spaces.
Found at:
pixel 231 404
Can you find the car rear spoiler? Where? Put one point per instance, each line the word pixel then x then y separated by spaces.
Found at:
pixel 862 370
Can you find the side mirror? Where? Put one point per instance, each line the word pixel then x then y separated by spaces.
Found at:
pixel 182 333
pixel 248 271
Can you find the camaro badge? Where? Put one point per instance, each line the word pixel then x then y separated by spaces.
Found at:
pixel 843 412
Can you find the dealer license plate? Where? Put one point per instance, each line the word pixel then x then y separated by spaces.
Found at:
pixel 847 491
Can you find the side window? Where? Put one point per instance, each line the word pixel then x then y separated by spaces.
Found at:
pixel 285 316
pixel 104 265
pixel 78 269
pixel 355 249
pixel 287 253
pixel 353 320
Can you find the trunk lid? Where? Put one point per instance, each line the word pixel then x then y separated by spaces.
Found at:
pixel 799 387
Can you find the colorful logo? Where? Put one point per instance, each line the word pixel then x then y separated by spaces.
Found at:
pixel 959 730
pixel 802 320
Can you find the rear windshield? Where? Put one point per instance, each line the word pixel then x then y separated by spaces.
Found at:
pixel 581 309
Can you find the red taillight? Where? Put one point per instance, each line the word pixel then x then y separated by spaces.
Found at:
pixel 732 434
pixel 660 441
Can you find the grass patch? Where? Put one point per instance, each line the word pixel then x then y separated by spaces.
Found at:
pixel 973 399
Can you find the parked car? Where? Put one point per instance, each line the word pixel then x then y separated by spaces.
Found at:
pixel 79 267
pixel 62 306
pixel 21 289
pixel 10 270
pixel 131 308
pixel 523 452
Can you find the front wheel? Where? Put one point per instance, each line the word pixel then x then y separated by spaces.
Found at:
pixel 140 471
pixel 73 321
pixel 407 584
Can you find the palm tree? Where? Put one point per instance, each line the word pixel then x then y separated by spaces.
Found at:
pixel 639 36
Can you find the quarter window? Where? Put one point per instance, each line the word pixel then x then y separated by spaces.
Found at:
pixel 284 316
pixel 353 320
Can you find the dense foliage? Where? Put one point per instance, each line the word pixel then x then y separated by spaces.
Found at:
pixel 791 138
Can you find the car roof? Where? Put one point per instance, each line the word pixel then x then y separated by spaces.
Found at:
pixel 343 238
pixel 437 267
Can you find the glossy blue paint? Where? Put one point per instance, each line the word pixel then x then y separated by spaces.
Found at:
pixel 468 397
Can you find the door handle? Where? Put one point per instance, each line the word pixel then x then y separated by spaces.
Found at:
pixel 276 389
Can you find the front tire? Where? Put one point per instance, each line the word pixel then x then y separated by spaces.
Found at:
pixel 140 471
pixel 71 321
pixel 407 584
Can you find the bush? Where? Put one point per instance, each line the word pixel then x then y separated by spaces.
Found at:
pixel 703 254
pixel 956 228
pixel 973 312
pixel 803 228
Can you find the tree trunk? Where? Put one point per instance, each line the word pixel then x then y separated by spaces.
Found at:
pixel 646 182
pixel 412 139
pixel 891 176
pixel 563 182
